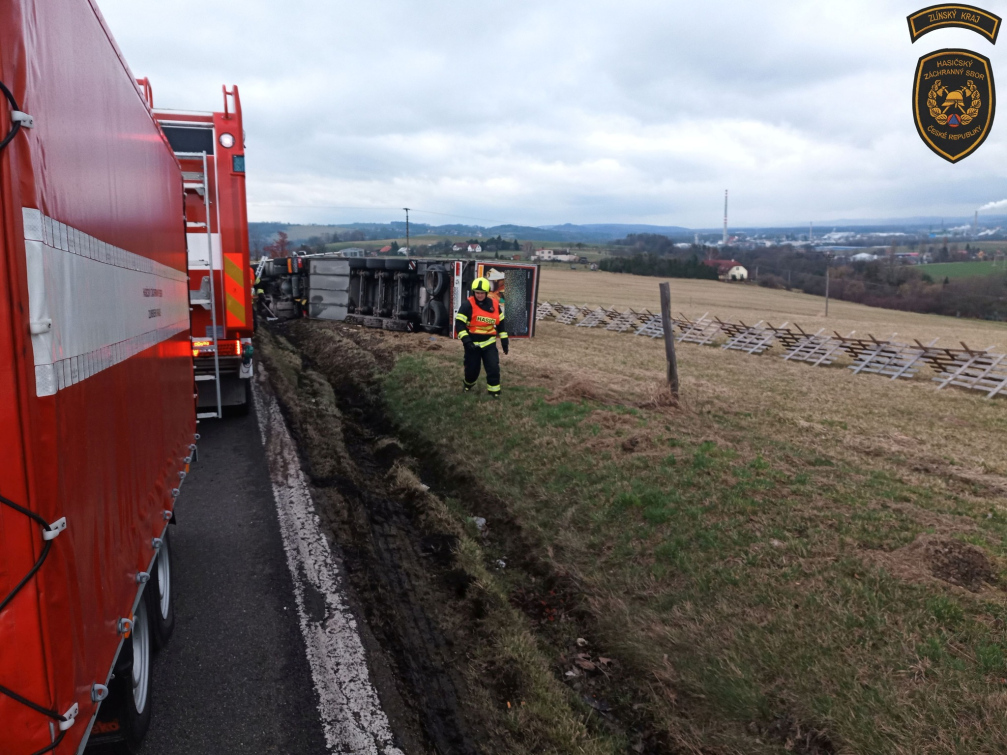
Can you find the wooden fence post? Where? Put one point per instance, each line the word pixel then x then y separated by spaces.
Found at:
pixel 669 339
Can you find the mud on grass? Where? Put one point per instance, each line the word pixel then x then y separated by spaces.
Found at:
pixel 465 660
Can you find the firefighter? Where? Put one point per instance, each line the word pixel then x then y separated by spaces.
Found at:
pixel 480 322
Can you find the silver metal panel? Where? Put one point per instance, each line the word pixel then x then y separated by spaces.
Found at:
pixel 327 311
pixel 330 282
pixel 330 267
pixel 321 296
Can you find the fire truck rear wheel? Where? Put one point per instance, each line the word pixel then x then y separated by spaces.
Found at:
pixel 160 597
pixel 130 689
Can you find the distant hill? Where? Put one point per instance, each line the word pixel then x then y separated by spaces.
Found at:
pixel 597 233
pixel 567 233
pixel 611 231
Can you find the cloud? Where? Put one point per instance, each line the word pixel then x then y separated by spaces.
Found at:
pixel 588 111
pixel 994 205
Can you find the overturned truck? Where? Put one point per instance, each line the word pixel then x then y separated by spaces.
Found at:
pixel 394 294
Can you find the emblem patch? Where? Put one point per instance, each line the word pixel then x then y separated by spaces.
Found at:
pixel 963 16
pixel 954 102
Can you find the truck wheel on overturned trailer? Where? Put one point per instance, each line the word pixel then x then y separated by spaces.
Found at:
pixel 375 263
pixel 159 596
pixel 397 265
pixel 434 316
pixel 435 280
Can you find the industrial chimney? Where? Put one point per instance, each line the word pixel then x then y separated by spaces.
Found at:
pixel 725 217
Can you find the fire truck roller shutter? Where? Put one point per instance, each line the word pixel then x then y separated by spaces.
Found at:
pixel 190 138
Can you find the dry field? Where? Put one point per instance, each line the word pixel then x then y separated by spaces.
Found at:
pixel 794 560
pixel 751 304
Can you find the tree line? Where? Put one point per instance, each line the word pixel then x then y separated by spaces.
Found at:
pixel 881 283
pixel 657 266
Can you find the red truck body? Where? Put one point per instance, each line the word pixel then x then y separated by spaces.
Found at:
pixel 216 215
pixel 96 376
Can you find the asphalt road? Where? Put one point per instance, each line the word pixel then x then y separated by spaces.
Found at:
pixel 235 677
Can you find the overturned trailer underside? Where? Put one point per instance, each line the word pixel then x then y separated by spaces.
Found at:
pixel 395 294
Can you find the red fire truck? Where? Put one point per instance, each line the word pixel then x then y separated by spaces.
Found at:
pixel 98 223
pixel 210 148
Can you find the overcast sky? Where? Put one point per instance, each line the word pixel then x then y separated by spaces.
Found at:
pixel 594 111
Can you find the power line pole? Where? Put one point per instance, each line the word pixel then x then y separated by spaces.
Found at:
pixel 407 230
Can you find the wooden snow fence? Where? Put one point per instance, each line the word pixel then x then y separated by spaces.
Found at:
pixel 547 309
pixel 815 349
pixel 654 327
pixel 627 321
pixel 571 315
pixel 600 316
pixel 757 339
pixel 790 337
pixel 702 331
pixel 983 371
pixel 890 358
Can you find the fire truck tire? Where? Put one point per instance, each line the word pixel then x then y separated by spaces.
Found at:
pixel 375 263
pixel 160 599
pixel 130 688
pixel 435 280
pixel 435 315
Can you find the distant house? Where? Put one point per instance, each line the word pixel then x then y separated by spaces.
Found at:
pixel 458 248
pixel 352 252
pixel 728 270
pixel 864 257
pixel 385 249
pixel 550 255
pixel 474 248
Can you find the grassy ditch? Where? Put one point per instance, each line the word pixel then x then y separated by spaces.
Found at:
pixel 762 571
pixel 472 672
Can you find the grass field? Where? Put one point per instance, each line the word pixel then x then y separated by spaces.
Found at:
pixel 954 270
pixel 796 560
pixel 750 304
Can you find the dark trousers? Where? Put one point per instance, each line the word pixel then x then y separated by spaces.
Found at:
pixel 475 359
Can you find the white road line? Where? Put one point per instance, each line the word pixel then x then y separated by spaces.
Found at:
pixel 351 712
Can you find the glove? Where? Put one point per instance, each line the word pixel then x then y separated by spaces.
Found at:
pixel 505 344
pixel 467 343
